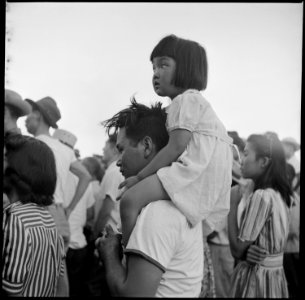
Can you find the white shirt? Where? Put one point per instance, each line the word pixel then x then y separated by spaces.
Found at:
pixel 163 236
pixel 78 218
pixel 109 187
pixel 63 159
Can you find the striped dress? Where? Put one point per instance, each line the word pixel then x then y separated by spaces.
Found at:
pixel 32 252
pixel 265 221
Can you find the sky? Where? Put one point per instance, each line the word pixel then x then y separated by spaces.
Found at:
pixel 92 57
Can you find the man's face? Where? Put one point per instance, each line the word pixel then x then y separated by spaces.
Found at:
pixel 32 121
pixel 132 157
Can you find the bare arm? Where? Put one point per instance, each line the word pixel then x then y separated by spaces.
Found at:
pixel 140 279
pixel 178 140
pixel 84 179
pixel 103 216
pixel 238 248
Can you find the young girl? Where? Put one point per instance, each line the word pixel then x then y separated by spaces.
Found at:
pixel 264 221
pixel 194 168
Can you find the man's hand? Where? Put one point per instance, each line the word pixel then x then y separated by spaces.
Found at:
pixel 109 244
pixel 256 254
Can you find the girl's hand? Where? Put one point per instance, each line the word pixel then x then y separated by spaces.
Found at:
pixel 129 182
pixel 256 254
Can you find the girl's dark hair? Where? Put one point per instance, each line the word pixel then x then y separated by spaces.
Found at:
pixel 94 167
pixel 275 175
pixel 190 58
pixel 140 121
pixel 31 170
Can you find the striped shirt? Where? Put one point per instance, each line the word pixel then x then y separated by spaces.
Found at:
pixel 32 251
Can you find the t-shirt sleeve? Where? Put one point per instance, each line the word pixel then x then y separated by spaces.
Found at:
pixel 257 212
pixel 184 112
pixel 154 236
pixel 111 184
pixel 15 254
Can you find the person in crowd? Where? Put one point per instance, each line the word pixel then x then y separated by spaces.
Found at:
pixel 45 114
pixel 218 241
pixel 107 208
pixel 264 221
pixel 198 153
pixel 291 146
pixel 32 249
pixel 14 108
pixel 164 255
pixel 292 250
pixel 107 211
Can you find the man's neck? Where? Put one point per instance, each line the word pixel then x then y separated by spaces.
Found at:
pixel 42 130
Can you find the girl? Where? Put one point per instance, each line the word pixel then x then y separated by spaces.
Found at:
pixel 33 250
pixel 194 168
pixel 263 223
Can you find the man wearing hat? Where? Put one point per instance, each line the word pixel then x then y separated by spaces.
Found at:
pixel 45 114
pixel 291 146
pixel 14 108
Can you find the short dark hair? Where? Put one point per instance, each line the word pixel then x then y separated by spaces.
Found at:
pixel 139 121
pixel 94 167
pixel 31 170
pixel 275 176
pixel 191 61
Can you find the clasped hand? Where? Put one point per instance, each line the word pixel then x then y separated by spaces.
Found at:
pixel 128 183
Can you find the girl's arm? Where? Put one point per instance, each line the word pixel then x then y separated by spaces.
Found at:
pixel 178 140
pixel 237 247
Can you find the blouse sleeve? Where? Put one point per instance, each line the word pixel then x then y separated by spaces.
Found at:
pixel 257 212
pixel 15 258
pixel 184 112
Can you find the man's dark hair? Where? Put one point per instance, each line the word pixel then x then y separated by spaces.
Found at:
pixel 139 121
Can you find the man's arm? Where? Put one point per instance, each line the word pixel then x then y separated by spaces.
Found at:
pixel 141 278
pixel 103 215
pixel 84 179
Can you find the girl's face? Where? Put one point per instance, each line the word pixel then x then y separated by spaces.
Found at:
pixel 164 68
pixel 251 166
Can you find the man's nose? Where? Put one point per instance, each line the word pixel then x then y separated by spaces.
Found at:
pixel 119 162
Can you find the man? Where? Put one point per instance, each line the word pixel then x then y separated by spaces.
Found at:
pixel 164 256
pixel 45 114
pixel 14 108
pixel 107 210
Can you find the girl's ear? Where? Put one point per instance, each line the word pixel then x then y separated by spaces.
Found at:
pixel 265 162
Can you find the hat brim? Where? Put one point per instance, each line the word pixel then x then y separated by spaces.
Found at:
pixel 38 107
pixel 21 107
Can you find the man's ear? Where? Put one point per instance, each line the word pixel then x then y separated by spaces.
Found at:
pixel 148 146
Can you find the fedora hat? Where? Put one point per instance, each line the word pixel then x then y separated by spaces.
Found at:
pixel 65 137
pixel 14 99
pixel 291 141
pixel 48 108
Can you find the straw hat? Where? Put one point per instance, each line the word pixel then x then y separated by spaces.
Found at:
pixel 291 141
pixel 65 137
pixel 14 99
pixel 48 107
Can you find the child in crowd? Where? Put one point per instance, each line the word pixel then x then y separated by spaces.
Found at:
pixel 264 221
pixel 33 250
pixel 194 168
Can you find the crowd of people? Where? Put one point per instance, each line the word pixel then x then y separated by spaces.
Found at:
pixel 176 205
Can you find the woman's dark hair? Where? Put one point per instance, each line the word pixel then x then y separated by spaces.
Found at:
pixel 275 176
pixel 190 58
pixel 140 121
pixel 31 170
pixel 94 167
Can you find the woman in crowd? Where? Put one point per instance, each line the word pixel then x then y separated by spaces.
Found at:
pixel 32 251
pixel 264 221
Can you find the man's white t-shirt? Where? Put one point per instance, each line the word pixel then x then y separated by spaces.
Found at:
pixel 110 187
pixel 163 236
pixel 64 157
